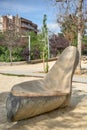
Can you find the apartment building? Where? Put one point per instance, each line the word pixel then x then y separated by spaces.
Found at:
pixel 27 25
pixel 20 24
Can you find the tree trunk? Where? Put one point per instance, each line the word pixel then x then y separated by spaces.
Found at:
pixel 79 33
pixel 79 49
pixel 10 54
pixel 43 62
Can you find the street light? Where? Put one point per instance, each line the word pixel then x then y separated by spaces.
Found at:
pixel 29 47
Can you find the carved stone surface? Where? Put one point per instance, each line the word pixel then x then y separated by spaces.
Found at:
pixel 32 98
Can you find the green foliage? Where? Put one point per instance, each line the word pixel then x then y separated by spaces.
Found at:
pixel 84 45
pixel 4 54
pixel 84 40
pixel 10 39
pixel 36 42
pixel 46 67
pixel 45 48
pixel 16 54
pixel 69 29
pixel 84 52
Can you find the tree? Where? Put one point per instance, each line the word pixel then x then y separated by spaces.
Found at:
pixel 69 7
pixel 1 38
pixel 45 39
pixel 79 12
pixel 57 44
pixel 36 45
pixel 10 39
pixel 69 29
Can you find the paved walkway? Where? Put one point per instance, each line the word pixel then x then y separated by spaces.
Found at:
pixel 36 70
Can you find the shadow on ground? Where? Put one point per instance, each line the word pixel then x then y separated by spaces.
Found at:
pixel 84 71
pixel 65 118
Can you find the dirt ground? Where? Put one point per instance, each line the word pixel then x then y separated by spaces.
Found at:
pixel 74 117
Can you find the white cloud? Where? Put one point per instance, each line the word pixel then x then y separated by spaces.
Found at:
pixel 53 27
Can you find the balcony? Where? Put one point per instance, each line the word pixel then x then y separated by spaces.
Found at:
pixel 27 26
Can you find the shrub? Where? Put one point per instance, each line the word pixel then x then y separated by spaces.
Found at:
pixel 16 54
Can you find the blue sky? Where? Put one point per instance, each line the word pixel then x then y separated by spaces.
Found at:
pixel 32 10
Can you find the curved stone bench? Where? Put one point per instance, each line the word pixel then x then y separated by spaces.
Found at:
pixel 32 98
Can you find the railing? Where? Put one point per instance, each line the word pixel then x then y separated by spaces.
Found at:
pixel 27 26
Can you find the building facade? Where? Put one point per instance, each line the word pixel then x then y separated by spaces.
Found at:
pixel 17 23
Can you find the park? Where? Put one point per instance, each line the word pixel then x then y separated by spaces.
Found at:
pixel 43 65
pixel 72 117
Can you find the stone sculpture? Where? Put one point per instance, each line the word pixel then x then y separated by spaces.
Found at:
pixel 32 98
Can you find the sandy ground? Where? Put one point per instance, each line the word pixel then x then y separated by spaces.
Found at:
pixel 74 117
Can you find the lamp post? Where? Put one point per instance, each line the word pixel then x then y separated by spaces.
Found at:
pixel 29 47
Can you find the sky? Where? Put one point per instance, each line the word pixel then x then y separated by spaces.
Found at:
pixel 33 10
